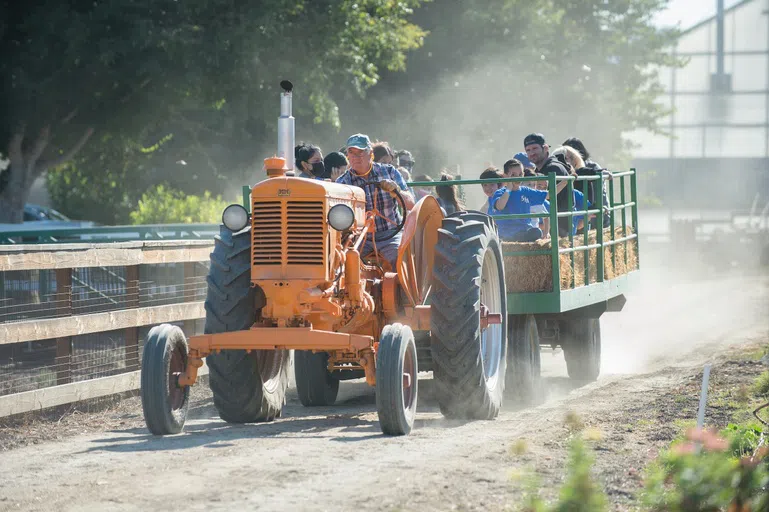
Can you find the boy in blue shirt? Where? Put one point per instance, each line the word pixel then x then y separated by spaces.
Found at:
pixel 517 200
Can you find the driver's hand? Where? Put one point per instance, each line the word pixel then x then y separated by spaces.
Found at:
pixel 388 185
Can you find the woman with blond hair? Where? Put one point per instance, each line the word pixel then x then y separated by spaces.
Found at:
pixel 571 156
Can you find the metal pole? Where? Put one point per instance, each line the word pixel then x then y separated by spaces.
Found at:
pixel 586 229
pixel 570 203
pixel 703 397
pixel 611 226
pixel 286 135
pixel 556 260
pixel 246 191
pixel 599 234
pixel 719 39
pixel 634 215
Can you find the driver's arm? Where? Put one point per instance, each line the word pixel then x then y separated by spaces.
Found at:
pixel 408 199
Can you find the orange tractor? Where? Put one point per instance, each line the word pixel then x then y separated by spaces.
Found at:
pixel 289 275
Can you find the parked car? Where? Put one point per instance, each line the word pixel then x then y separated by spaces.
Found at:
pixel 35 212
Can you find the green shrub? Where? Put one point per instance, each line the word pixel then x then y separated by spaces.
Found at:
pixel 703 474
pixel 744 440
pixel 581 492
pixel 164 205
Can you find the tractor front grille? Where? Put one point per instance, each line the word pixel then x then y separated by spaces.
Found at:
pixel 304 233
pixel 301 237
pixel 267 233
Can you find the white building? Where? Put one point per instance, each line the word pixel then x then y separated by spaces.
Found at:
pixel 719 128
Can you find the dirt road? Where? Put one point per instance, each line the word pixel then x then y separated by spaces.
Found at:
pixel 336 459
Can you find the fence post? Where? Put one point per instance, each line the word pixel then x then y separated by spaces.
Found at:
pixel 190 292
pixel 132 333
pixel 63 360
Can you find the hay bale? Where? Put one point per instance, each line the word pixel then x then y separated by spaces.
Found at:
pixel 534 273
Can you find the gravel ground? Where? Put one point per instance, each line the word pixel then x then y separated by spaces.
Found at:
pixel 335 458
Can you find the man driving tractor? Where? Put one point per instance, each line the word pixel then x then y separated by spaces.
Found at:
pixel 380 182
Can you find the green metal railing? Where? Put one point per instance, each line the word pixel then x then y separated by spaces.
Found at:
pixel 47 235
pixel 597 210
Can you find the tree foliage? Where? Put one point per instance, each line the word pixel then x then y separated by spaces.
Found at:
pixel 201 76
pixel 163 205
pixel 186 92
pixel 492 71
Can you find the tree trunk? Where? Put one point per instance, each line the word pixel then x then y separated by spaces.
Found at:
pixel 12 201
pixel 26 166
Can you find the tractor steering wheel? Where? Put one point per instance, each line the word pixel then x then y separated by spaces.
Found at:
pixel 402 203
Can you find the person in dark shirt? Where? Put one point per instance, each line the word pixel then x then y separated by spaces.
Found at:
pixel 539 153
pixel 592 168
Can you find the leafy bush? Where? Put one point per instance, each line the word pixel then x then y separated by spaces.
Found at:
pixel 164 205
pixel 703 474
pixel 744 440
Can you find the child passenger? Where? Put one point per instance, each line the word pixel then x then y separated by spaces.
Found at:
pixel 518 200
pixel 490 188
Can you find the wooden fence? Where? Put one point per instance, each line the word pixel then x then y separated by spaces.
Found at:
pixel 73 316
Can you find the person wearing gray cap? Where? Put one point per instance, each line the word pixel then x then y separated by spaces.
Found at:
pixel 539 153
pixel 362 172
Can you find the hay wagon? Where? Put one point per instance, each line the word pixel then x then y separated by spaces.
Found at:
pixel 556 293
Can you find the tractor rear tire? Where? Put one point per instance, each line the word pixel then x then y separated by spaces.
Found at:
pixel 468 362
pixel 524 382
pixel 582 349
pixel 315 385
pixel 246 387
pixel 164 404
pixel 396 380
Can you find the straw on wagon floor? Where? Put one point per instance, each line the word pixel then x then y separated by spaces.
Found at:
pixel 534 273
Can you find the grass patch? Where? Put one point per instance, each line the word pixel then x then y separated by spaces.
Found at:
pixel 761 385
pixel 573 422
pixel 519 447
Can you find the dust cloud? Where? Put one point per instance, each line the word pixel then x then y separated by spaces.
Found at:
pixel 684 311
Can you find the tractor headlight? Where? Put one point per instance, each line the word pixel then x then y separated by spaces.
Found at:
pixel 341 217
pixel 235 217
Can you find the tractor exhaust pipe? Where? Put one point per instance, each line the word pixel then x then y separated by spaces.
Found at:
pixel 286 136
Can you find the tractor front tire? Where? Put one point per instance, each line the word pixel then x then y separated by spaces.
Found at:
pixel 397 380
pixel 524 382
pixel 315 385
pixel 582 349
pixel 247 387
pixel 468 362
pixel 164 403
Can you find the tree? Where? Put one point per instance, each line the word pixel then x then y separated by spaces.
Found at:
pixel 492 71
pixel 163 205
pixel 171 81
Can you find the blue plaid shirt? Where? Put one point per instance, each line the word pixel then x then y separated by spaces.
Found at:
pixel 386 204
